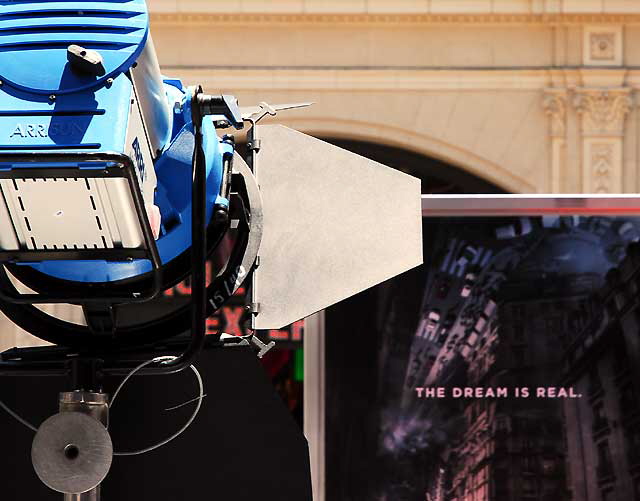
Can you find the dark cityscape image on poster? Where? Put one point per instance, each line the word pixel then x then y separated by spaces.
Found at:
pixel 518 380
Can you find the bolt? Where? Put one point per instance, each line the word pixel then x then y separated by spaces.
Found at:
pixel 264 348
pixel 221 214
pixel 52 97
pixel 109 82
pixel 1 83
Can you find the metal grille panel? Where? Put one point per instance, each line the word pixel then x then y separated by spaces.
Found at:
pixel 71 213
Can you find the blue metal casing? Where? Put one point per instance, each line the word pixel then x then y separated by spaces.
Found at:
pixel 89 120
pixel 92 114
pixel 34 36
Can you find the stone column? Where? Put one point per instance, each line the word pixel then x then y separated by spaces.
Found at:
pixel 602 101
pixel 602 115
pixel 555 106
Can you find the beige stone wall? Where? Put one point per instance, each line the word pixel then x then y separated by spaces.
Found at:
pixel 535 96
pixel 399 6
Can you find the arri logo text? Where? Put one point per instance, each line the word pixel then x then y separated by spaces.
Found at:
pixel 42 130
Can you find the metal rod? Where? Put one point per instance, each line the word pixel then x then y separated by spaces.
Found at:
pixel 253 143
pixel 92 495
pixel 198 247
pixel 95 405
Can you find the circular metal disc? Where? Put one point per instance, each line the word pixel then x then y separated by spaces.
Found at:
pixel 72 452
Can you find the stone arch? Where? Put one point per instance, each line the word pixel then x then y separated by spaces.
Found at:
pixel 415 142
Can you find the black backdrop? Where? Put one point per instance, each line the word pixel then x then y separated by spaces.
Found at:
pixel 244 445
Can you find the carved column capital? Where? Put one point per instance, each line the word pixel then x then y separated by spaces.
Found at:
pixel 603 111
pixel 554 103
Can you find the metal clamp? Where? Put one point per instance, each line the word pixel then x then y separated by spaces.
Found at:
pixel 262 347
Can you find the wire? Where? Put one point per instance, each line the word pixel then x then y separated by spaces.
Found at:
pixel 141 366
pixel 184 403
pixel 186 425
pixel 115 394
pixel 17 417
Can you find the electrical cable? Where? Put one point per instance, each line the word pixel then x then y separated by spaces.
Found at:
pixel 164 359
pixel 136 369
pixel 184 403
pixel 17 417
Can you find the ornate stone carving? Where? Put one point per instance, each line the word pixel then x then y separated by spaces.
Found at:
pixel 602 46
pixel 195 15
pixel 603 112
pixel 602 160
pixel 555 106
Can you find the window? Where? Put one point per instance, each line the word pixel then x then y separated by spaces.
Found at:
pixel 621 357
pixel 636 488
pixel 518 311
pixel 518 355
pixel 528 443
pixel 632 437
pixel 595 385
pixel 599 417
pixel 518 331
pixel 529 464
pixel 548 466
pixel 605 466
pixel 628 402
pixel 552 325
pixel 502 423
pixel 529 487
pixel 501 476
pixel 598 412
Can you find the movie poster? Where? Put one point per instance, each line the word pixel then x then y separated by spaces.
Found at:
pixel 513 376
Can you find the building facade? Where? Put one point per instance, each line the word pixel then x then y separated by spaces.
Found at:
pixel 512 447
pixel 532 95
pixel 601 362
pixel 580 337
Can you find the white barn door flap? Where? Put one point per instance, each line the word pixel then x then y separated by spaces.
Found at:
pixel 335 224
